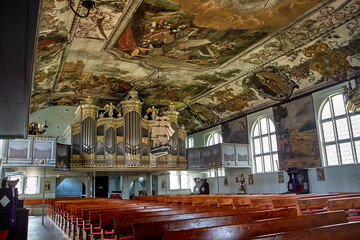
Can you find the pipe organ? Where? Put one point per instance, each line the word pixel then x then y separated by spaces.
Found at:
pixel 121 138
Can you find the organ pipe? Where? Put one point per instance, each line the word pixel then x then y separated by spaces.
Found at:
pixel 122 134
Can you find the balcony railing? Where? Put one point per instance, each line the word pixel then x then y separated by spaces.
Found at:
pixel 33 151
pixel 219 155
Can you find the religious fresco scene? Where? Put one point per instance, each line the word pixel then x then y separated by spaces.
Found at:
pixel 296 134
pixel 235 131
pixel 214 60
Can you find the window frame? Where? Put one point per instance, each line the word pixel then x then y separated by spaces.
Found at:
pixel 336 142
pixel 212 136
pixel 178 177
pixel 274 167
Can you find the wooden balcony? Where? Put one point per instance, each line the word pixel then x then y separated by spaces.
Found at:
pixel 229 155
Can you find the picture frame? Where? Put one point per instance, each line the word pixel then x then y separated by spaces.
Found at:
pixel 47 185
pixel 251 179
pixel 320 174
pixel 163 184
pixel 280 177
pixel 226 182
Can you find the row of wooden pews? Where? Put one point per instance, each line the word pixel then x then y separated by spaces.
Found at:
pixel 260 216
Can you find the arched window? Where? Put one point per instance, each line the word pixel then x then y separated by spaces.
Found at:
pixel 264 146
pixel 339 131
pixel 214 138
pixel 190 142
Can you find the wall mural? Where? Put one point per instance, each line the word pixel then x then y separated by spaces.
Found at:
pixel 213 59
pixel 296 134
pixel 235 131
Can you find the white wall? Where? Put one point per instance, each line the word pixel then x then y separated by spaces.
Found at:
pixel 115 183
pixel 268 183
pixel 58 119
pixel 344 178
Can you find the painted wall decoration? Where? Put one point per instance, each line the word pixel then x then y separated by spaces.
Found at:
pixel 272 83
pixel 296 134
pixel 235 131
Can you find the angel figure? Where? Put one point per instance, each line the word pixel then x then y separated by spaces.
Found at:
pixel 153 112
pixel 110 109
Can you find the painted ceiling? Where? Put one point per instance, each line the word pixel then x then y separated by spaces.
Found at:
pixel 214 59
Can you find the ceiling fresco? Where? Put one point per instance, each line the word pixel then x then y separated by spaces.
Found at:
pixel 214 59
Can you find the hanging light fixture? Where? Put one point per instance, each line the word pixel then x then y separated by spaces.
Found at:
pixel 88 4
pixel 162 132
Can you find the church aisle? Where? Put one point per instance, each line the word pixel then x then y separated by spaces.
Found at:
pixel 36 231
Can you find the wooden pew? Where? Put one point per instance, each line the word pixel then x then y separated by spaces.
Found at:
pixel 154 230
pixel 319 203
pixel 261 227
pixel 101 219
pixel 350 205
pixel 123 226
pixel 348 231
pixel 106 219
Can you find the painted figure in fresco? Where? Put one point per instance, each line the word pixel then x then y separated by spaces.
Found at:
pixel 274 82
pixel 287 143
pixel 110 109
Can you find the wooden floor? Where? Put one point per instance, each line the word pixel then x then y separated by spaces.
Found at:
pixel 36 231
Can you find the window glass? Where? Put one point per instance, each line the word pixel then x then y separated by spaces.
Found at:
pixel 184 180
pixel 331 155
pixel 346 153
pixel 341 132
pixel 31 185
pixel 267 163
pixel 256 130
pixel 214 138
pixel 355 124
pixel 328 131
pixel 272 126
pixel 174 180
pixel 342 128
pixel 191 142
pixel 264 146
pixel 273 142
pixel 326 111
pixel 338 105
pixel 264 127
pixel 257 146
pixel 259 165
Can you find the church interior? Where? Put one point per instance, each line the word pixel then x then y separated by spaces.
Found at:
pixel 181 106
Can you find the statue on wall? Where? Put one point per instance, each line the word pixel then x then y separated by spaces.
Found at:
pixel 241 180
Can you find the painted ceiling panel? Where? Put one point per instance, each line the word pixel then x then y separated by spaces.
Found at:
pixel 214 59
